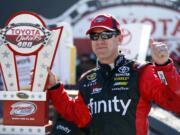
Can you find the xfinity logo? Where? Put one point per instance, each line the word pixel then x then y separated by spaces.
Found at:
pixel 107 106
pixel 63 128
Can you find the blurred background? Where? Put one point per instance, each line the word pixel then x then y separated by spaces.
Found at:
pixel 162 15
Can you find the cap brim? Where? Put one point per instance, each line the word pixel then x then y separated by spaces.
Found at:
pixel 90 30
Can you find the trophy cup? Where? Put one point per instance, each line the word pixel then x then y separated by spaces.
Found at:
pixel 25 112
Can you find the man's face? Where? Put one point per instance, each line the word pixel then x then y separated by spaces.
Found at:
pixel 106 50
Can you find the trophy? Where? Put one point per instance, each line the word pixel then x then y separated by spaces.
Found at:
pixel 26 111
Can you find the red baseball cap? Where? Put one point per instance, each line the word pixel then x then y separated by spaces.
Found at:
pixel 106 21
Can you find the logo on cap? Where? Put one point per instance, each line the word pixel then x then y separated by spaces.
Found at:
pixel 101 19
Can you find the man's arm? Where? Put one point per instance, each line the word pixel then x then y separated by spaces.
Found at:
pixel 154 89
pixel 161 83
pixel 74 110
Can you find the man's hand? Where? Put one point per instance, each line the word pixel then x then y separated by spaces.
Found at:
pixel 159 52
pixel 52 80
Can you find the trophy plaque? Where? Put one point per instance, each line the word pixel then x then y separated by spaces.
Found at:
pixel 26 111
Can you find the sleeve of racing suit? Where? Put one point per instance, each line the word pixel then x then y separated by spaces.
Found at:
pixel 74 110
pixel 165 93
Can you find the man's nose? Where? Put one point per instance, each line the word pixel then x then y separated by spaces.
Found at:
pixel 100 42
pixel 100 39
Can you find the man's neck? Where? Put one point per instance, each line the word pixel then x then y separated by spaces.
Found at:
pixel 109 60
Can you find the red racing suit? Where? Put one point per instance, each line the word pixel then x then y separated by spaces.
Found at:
pixel 117 101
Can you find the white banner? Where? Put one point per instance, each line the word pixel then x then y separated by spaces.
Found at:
pixel 136 41
pixel 65 61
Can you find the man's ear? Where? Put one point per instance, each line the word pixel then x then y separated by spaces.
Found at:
pixel 120 38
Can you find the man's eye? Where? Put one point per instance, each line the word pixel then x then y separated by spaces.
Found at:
pixel 104 35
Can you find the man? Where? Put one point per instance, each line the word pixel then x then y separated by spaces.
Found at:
pixel 115 97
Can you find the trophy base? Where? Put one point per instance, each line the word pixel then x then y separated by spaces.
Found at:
pixel 25 130
pixel 24 108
